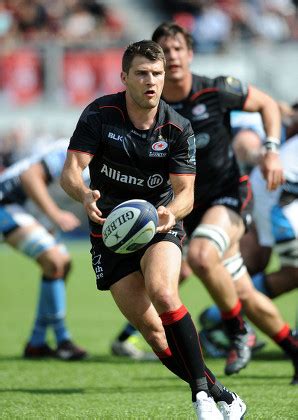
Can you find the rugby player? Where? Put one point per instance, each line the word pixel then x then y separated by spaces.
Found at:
pixel 29 179
pixel 119 134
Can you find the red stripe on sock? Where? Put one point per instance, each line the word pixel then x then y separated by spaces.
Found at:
pixel 164 353
pixel 233 312
pixel 208 377
pixel 282 334
pixel 168 318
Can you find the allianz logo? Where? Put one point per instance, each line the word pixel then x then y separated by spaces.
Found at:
pixel 152 182
pixel 116 137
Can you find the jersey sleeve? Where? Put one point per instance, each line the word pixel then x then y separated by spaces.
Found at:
pixel 53 159
pixel 87 134
pixel 232 92
pixel 183 153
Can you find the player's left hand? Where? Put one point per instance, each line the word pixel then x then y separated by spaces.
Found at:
pixel 272 170
pixel 166 219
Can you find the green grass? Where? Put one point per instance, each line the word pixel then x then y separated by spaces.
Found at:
pixel 106 387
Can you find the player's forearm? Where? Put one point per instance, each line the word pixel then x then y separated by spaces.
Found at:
pixel 271 120
pixel 182 204
pixel 73 184
pixel 34 184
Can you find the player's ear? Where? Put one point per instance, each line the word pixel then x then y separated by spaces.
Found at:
pixel 123 77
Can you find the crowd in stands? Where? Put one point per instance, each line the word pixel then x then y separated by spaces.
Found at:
pixel 214 24
pixel 58 20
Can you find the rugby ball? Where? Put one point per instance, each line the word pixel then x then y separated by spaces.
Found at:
pixel 130 226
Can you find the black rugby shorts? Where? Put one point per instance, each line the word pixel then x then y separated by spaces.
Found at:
pixel 237 197
pixel 110 267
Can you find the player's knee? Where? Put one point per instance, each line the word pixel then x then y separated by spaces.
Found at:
pixel 56 265
pixel 245 290
pixel 164 299
pixel 208 250
pixel 202 259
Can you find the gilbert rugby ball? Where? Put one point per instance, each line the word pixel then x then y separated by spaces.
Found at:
pixel 130 226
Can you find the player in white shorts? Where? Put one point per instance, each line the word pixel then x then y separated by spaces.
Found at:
pixel 275 215
pixel 19 228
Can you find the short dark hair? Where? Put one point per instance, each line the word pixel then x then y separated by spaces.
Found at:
pixel 172 29
pixel 146 48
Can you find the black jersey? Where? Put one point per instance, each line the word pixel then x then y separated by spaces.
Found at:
pixel 208 108
pixel 129 163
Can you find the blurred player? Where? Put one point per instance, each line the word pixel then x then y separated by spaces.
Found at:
pixel 29 179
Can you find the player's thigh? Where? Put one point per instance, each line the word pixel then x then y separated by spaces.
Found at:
pixel 161 265
pixel 20 233
pixel 131 297
pixel 255 256
pixel 227 220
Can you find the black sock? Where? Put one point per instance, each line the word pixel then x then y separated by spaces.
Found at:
pixel 216 388
pixel 183 341
pixel 126 332
pixel 233 321
pixel 288 343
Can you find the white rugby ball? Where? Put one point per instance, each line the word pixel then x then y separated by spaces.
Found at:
pixel 130 226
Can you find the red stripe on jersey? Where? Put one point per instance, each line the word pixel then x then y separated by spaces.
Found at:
pixel 80 151
pixel 169 123
pixel 116 107
pixel 248 197
pixel 96 235
pixel 172 173
pixel 201 92
pixel 168 318
pixel 243 178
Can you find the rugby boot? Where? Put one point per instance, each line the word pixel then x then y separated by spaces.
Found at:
pixel 38 352
pixel 134 347
pixel 240 351
pixel 67 350
pixel 206 408
pixel 233 411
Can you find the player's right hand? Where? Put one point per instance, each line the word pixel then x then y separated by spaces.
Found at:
pixel 91 208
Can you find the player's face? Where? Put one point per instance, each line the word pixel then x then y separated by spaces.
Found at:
pixel 144 82
pixel 178 56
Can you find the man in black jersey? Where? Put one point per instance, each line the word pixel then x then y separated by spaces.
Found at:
pixel 119 134
pixel 215 225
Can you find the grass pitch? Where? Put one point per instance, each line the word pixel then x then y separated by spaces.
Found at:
pixel 107 387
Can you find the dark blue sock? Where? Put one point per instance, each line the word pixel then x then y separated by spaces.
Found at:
pixel 211 317
pixel 127 332
pixel 51 312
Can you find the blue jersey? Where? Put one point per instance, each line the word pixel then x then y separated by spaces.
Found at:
pixel 52 158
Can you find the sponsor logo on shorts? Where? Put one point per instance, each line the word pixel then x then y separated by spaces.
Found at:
pixel 96 263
